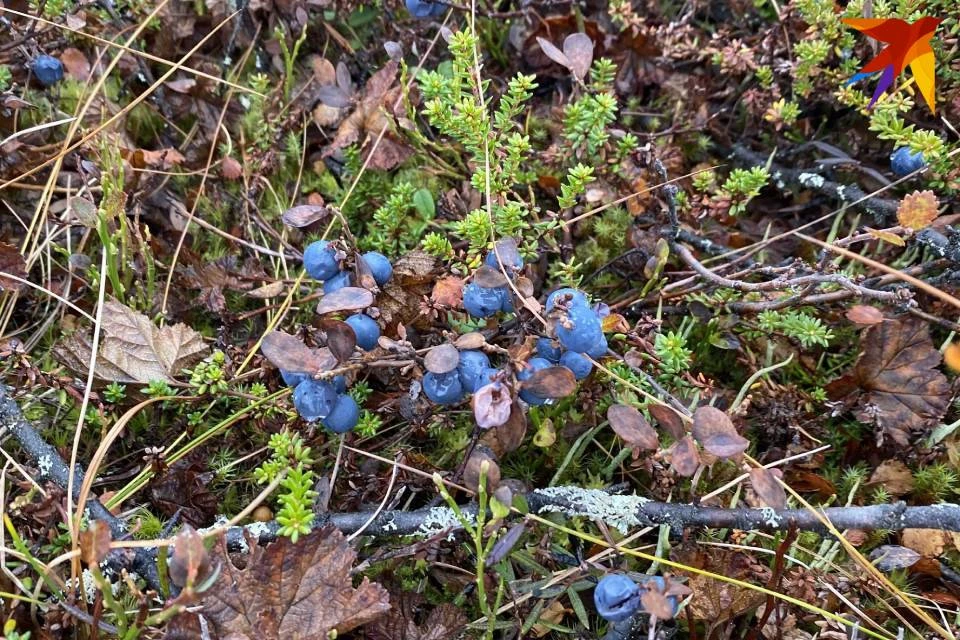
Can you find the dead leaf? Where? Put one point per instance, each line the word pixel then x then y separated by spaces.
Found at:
pixel 927 542
pixel 132 349
pixel 211 278
pixel 75 64
pixel 471 471
pixel 893 476
pixel 161 158
pixel 864 315
pixel 578 48
pixel 443 358
pixel 230 168
pixel 552 382
pixel 288 352
pixel 292 591
pixel 492 406
pixel 668 419
pixel 468 341
pixel 765 484
pixel 341 338
pixel 508 436
pixel 896 379
pixel 345 299
pixel 304 215
pixel 190 562
pixel 917 210
pixel 11 262
pixel 448 292
pixel 269 290
pixel 553 52
pixel 632 427
pixel 444 622
pixel 886 236
pixel 714 430
pixel 891 557
pixel 684 457
pixel 94 542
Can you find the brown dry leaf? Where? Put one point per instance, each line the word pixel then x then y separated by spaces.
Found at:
pixel 893 476
pixel 444 622
pixel 304 215
pixel 288 352
pixel 132 348
pixel 902 389
pixel 269 290
pixel 864 315
pixel 668 419
pixel 211 278
pixel 94 542
pixel 161 158
pixel 684 457
pixel 718 601
pixel 11 262
pixel 714 430
pixel 765 484
pixel 553 614
pixel 292 591
pixel 443 358
pixel 918 209
pixel 448 292
pixel 190 563
pixel 345 299
pixel 75 63
pixel 632 427
pixel 508 436
pixel 471 471
pixel 578 49
pixel 231 169
pixel 891 557
pixel 926 542
pixel 341 338
pixel 552 382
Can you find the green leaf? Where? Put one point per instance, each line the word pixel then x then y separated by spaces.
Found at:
pixel 423 202
pixel 578 607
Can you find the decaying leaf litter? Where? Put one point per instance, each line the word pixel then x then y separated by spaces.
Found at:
pixel 602 299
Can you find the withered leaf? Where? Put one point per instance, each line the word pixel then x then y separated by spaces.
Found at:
pixel 864 314
pixel 211 278
pixel 894 476
pixel 443 358
pixel 304 215
pixel 288 352
pixel 292 591
pixel 94 542
pixel 269 290
pixel 668 419
pixel 656 604
pixel 133 349
pixel 552 382
pixel 472 470
pixel 448 292
pixel 190 562
pixel 918 209
pixel 492 405
pixel 891 557
pixel 345 299
pixel 684 457
pixel 632 427
pixel 11 262
pixel 553 52
pixel 489 277
pixel 764 483
pixel 444 622
pixel 714 430
pixel 897 373
pixel 508 436
pixel 472 340
pixel 341 338
pixel 578 49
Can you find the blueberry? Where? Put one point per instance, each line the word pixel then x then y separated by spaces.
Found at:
pixel 443 388
pixel 485 377
pixel 617 597
pixel 340 384
pixel 314 399
pixel 344 416
pixel 292 378
pixel 549 349
pixel 47 69
pixel 535 364
pixel 380 267
pixel 577 363
pixel 425 8
pixel 481 302
pixel 336 282
pixel 491 261
pixel 530 398
pixel 579 298
pixel 506 304
pixel 367 330
pixel 320 260
pixel 584 332
pixel 472 364
pixel 903 161
pixel 598 350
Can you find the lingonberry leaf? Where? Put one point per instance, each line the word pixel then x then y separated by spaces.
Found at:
pixel 715 432
pixel 630 425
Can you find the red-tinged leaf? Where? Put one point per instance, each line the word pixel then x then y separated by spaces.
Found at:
pixel 288 352
pixel 668 419
pixel 765 484
pixel 448 292
pixel 552 52
pixel 552 382
pixel 715 432
pixel 492 406
pixel 13 263
pixel 656 604
pixel 864 315
pixel 345 299
pixel 443 358
pixel 472 470
pixel 684 457
pixel 230 168
pixel 303 215
pixel 918 210
pixel 630 425
pixel 578 49
pixel 341 338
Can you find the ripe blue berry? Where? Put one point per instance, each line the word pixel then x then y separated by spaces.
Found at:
pixel 472 364
pixel 292 378
pixel 336 282
pixel 576 298
pixel 344 416
pixel 506 304
pixel 485 377
pixel 577 363
pixel 584 331
pixel 481 302
pixel 617 597
pixel 320 260
pixel 47 69
pixel 491 261
pixel 535 364
pixel 314 399
pixel 443 388
pixel 380 267
pixel 549 349
pixel 425 8
pixel 367 330
pixel 340 384
pixel 598 350
pixel 903 161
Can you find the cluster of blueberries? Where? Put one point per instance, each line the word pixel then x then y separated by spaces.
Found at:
pixel 617 597
pixel 328 401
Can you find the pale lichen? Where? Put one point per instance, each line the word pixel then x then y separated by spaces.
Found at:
pixel 770 517
pixel 619 511
pixel 440 519
pixel 811 180
pixel 257 529
pixel 45 464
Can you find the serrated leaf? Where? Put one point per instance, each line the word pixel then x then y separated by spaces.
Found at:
pixel 918 210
